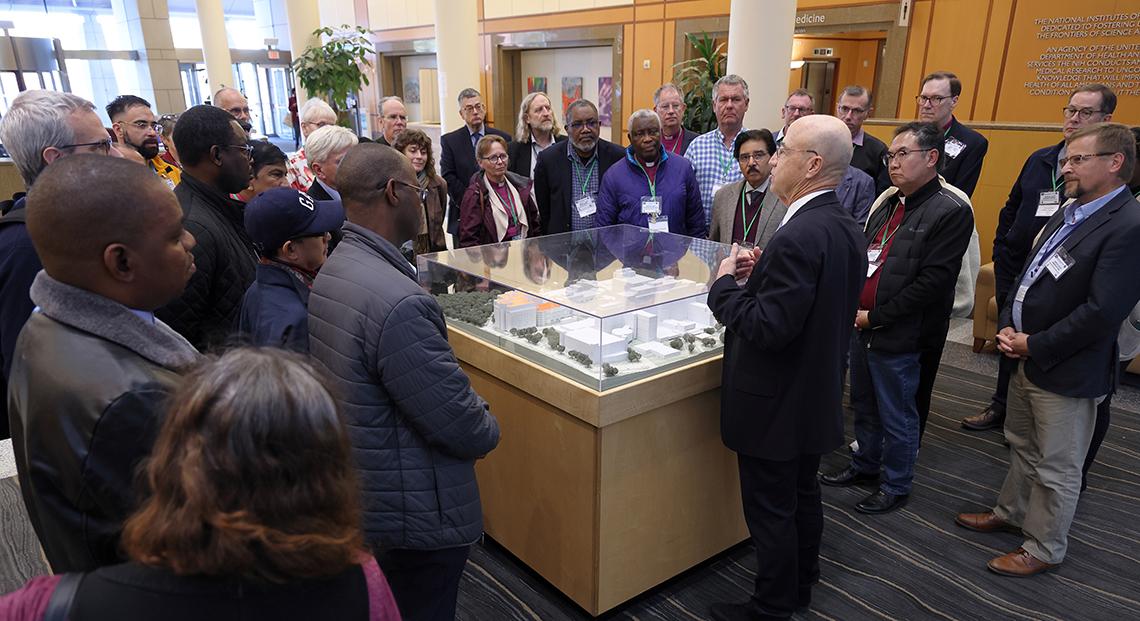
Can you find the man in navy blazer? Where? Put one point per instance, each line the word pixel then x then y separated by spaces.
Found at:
pixel 457 162
pixel 788 330
pixel 1061 325
pixel 1036 195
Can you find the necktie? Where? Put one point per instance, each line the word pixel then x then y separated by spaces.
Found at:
pixel 475 138
pixel 753 199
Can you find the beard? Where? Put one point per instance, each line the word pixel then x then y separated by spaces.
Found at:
pixel 585 145
pixel 545 126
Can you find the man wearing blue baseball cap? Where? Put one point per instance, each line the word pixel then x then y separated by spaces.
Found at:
pixel 291 231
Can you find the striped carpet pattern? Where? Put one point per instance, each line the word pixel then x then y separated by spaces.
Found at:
pixel 912 564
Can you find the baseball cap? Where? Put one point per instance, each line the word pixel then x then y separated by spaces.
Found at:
pixel 281 214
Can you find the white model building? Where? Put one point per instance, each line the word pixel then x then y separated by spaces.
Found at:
pixel 659 351
pixel 599 346
pixel 515 310
pixel 645 326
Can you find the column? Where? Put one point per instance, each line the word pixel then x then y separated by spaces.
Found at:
pixel 215 47
pixel 148 25
pixel 763 61
pixel 304 17
pixel 457 56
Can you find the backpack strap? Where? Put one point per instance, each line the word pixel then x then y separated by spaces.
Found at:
pixel 62 597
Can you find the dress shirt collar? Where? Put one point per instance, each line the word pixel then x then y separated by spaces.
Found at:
pixel 333 193
pixel 857 139
pixel 763 186
pixel 475 132
pixel 1075 212
pixel 800 202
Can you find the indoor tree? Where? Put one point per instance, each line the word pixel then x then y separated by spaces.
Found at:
pixel 696 77
pixel 336 68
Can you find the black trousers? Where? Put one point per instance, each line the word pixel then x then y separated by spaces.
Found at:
pixel 784 513
pixel 425 583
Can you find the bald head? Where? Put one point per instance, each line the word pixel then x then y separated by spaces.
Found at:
pixel 231 100
pixel 123 240
pixel 829 137
pixel 379 189
pixel 815 154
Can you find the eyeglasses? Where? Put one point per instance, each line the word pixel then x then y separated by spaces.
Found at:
pixel 935 100
pixel 582 124
pixel 744 158
pixel 798 109
pixel 901 153
pixel 396 117
pixel 473 108
pixel 237 111
pixel 496 158
pixel 248 150
pixel 670 106
pixel 1077 160
pixel 103 146
pixel 1083 114
pixel 146 125
pixel 319 124
pixel 782 150
pixel 418 189
pixel 849 110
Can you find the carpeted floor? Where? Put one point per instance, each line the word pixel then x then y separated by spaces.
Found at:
pixel 912 564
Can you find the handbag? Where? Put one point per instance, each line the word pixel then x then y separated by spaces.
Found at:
pixel 63 597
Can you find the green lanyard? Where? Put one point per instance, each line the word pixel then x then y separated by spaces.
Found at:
pixel 743 217
pixel 588 174
pixel 513 211
pixel 652 183
pixel 884 237
pixel 725 162
pixel 1057 181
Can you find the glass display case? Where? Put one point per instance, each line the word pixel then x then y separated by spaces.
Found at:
pixel 602 307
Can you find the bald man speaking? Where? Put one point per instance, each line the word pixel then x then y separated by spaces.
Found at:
pixel 787 335
pixel 93 365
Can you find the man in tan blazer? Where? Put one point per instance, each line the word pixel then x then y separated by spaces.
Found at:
pixel 746 210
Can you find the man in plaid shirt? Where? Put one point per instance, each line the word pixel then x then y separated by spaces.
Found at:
pixel 711 153
pixel 315 115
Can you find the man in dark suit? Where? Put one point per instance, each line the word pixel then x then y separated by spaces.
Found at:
pixel 1061 327
pixel 787 336
pixel 457 163
pixel 853 109
pixel 1036 195
pixel 567 177
pixel 965 148
pixel 669 104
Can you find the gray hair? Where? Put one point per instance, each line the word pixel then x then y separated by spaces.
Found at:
pixel 644 113
pixel 578 103
pixel 327 140
pixel 670 86
pixel 37 120
pixel 856 91
pixel 522 128
pixel 390 98
pixel 730 80
pixel 467 93
pixel 315 107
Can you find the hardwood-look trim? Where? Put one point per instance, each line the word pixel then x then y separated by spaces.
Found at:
pixel 648 13
pixel 686 9
pixel 405 34
pixel 1004 56
pixel 980 125
pixel 926 46
pixel 982 58
pixel 823 7
pixel 543 21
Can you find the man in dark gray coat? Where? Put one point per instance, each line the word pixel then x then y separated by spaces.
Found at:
pixel 415 424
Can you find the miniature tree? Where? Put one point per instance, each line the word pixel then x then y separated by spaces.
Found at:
pixel 677 344
pixel 632 355
pixel 609 369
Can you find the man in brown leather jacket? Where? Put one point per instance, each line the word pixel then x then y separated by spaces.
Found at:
pixel 92 364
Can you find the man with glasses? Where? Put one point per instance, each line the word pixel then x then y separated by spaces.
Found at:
pixel 915 241
pixel 1060 327
pixel 711 153
pixel 39 128
pixel 457 160
pixel 799 103
pixel 215 164
pixel 965 148
pixel 669 104
pixel 747 211
pixel 231 100
pixel 651 189
pixel 1037 194
pixel 134 124
pixel 393 120
pixel 853 109
pixel 315 114
pixel 566 180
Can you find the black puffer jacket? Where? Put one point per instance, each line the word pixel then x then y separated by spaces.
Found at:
pixel 207 311
pixel 415 424
pixel 916 289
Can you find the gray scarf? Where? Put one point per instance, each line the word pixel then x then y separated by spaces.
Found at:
pixel 109 320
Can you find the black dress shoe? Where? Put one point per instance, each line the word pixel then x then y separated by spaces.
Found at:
pixel 989 418
pixel 881 502
pixel 848 476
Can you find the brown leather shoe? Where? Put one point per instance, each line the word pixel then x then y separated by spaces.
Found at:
pixel 1019 564
pixel 988 418
pixel 985 523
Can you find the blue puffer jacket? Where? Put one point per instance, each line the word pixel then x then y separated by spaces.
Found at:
pixel 415 424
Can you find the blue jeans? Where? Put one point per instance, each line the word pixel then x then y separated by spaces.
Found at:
pixel 883 387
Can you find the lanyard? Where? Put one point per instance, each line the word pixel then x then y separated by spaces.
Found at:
pixel 512 212
pixel 652 183
pixel 883 236
pixel 1057 180
pixel 590 172
pixel 676 150
pixel 743 217
pixel 725 163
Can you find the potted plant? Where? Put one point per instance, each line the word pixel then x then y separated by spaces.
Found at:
pixel 696 77
pixel 336 68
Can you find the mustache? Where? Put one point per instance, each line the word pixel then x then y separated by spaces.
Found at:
pixel 753 168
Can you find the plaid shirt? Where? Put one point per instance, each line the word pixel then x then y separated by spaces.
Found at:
pixel 582 175
pixel 714 165
pixel 300 177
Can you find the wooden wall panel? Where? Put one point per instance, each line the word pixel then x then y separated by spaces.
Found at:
pixel 647 46
pixel 915 59
pixel 956 40
pixel 988 78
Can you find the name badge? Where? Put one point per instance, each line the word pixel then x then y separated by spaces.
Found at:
pixel 650 205
pixel 872 268
pixel 954 147
pixel 586 206
pixel 659 225
pixel 1047 204
pixel 1020 295
pixel 873 253
pixel 1059 263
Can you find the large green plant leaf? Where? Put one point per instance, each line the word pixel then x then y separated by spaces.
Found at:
pixel 696 78
pixel 336 68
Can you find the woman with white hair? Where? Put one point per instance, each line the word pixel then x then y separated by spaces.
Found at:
pixel 537 129
pixel 314 115
pixel 325 148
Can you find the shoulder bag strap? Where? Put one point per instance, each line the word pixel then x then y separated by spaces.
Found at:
pixel 62 598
